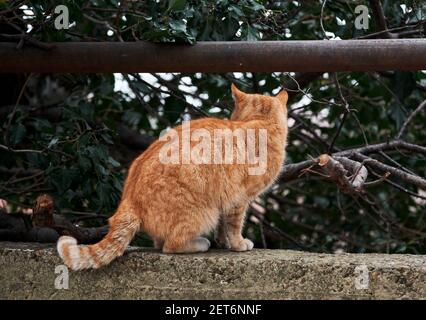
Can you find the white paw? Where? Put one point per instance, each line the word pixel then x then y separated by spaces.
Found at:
pixel 203 244
pixel 243 245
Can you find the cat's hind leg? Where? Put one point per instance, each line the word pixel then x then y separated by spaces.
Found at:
pixel 184 235
pixel 198 244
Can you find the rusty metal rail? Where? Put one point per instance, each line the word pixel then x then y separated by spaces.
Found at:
pixel 266 56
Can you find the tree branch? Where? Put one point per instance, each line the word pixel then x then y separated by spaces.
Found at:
pixel 43 225
pixel 379 17
pixel 293 171
pixel 344 115
pixel 405 176
pixel 409 118
pixel 19 150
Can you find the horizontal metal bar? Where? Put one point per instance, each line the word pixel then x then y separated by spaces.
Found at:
pixel 261 56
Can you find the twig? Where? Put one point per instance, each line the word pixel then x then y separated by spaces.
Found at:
pixel 324 2
pixel 405 176
pixel 394 162
pixel 277 230
pixel 19 150
pixel 378 181
pixel 375 34
pixel 399 187
pixel 373 148
pixel 146 105
pixel 380 18
pixel 198 110
pixel 344 115
pixel 409 118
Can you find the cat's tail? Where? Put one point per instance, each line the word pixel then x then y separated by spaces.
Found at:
pixel 123 226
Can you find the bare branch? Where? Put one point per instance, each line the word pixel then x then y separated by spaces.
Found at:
pixel 399 187
pixel 299 81
pixel 405 176
pixel 45 225
pixel 344 115
pixel 378 181
pixel 349 175
pixel 379 16
pixel 19 150
pixel 145 105
pixel 409 118
pixel 392 145
pixel 292 171
pixel 324 3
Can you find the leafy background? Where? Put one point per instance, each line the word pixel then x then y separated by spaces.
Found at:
pixel 81 132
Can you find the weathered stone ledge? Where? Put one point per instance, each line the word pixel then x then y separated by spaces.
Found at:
pixel 27 271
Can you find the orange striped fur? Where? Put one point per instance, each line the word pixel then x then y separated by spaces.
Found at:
pixel 178 203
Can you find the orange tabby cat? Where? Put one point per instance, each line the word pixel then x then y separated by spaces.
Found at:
pixel 177 203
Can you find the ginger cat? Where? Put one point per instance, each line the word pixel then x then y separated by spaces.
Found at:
pixel 177 203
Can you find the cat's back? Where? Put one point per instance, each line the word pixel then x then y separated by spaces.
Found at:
pixel 153 158
pixel 153 174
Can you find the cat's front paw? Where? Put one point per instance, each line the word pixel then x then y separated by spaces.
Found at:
pixel 242 245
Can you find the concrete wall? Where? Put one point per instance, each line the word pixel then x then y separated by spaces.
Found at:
pixel 27 271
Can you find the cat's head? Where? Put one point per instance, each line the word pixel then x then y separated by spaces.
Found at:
pixel 252 106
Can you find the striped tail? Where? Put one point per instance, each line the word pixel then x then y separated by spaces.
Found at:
pixel 122 229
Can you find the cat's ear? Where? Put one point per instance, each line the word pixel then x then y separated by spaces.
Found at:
pixel 236 93
pixel 283 97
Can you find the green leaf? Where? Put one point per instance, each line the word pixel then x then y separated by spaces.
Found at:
pixel 98 153
pixel 237 10
pixel 178 25
pixel 101 170
pixel 231 27
pixel 17 133
pixel 113 162
pixel 255 6
pixel 176 5
pixel 62 179
pixel 52 142
pixel 117 183
pixel 252 34
pixel 84 163
pixel 131 117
